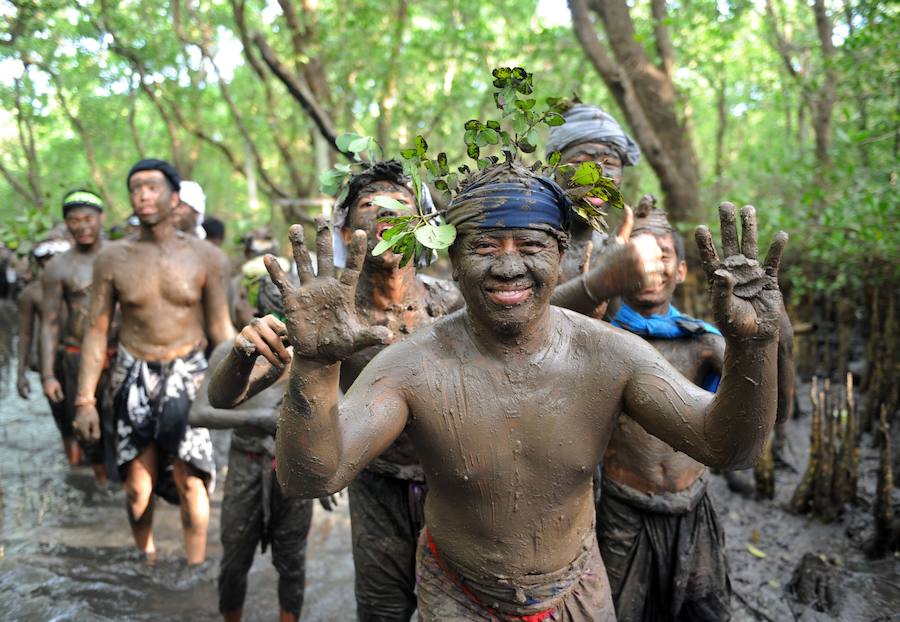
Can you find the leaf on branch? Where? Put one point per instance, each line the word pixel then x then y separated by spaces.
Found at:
pixel 587 174
pixel 389 203
pixel 436 237
pixel 421 146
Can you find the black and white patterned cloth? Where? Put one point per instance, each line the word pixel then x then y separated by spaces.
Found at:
pixel 151 402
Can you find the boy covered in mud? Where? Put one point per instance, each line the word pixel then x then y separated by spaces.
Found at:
pixel 658 532
pixel 66 284
pixel 29 309
pixel 170 289
pixel 509 403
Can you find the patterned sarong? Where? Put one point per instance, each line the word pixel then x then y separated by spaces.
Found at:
pixel 151 401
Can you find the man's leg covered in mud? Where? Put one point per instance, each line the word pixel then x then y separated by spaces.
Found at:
pixel 664 566
pixel 385 533
pixel 288 530
pixel 241 529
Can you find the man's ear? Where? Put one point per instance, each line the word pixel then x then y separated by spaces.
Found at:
pixel 346 235
pixel 175 200
pixel 559 273
pixel 681 272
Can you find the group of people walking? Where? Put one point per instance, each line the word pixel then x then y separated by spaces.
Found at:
pixel 528 440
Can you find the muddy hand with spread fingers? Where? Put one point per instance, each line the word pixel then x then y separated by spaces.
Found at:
pixel 746 301
pixel 320 314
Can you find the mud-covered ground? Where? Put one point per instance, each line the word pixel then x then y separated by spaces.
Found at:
pixel 864 589
pixel 66 550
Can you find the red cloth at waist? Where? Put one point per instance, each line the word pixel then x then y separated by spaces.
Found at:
pixel 110 353
pixel 534 617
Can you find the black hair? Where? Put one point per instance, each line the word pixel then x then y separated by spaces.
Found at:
pixel 390 171
pixel 214 228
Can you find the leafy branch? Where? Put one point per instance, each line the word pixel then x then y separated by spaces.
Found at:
pixel 512 134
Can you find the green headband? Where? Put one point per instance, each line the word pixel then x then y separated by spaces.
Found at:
pixel 82 198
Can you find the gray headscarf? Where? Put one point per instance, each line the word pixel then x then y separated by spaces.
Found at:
pixel 585 123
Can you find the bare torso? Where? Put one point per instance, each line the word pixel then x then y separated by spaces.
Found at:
pixel 159 287
pixel 509 447
pixel 639 459
pixel 434 299
pixel 75 271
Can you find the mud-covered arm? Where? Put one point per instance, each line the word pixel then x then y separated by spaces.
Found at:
pixel 320 446
pixel 253 362
pixel 263 416
pixel 100 312
pixel 726 430
pixel 215 298
pixel 786 368
pixel 323 443
pixel 51 282
pixel 625 265
pixel 730 429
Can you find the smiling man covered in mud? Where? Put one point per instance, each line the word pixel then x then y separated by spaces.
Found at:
pixel 510 402
pixel 170 289
pixel 67 291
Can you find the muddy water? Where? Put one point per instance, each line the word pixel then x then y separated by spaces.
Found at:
pixel 66 551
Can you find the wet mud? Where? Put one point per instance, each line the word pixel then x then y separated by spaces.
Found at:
pixel 66 551
pixel 864 589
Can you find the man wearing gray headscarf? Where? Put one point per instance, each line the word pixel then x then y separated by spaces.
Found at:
pixel 596 267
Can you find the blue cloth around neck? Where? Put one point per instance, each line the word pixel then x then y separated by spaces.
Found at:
pixel 672 325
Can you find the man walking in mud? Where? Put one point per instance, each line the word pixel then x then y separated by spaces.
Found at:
pixel 482 395
pixel 170 290
pixel 387 498
pixel 66 286
pixel 254 508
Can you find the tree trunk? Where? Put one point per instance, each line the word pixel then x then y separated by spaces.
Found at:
pixel 646 96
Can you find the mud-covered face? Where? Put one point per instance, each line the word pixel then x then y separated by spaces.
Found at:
pixel 185 217
pixel 506 275
pixel 364 214
pixel 84 224
pixel 152 197
pixel 674 272
pixel 603 154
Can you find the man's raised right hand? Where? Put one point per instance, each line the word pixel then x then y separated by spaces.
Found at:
pixel 320 315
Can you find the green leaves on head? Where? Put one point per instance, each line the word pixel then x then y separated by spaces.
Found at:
pixel 363 150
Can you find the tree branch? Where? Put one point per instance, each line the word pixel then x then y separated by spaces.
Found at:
pixel 26 139
pixel 782 45
pixel 664 45
pixel 300 91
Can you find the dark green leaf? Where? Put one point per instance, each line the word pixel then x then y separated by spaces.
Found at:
pixel 554 158
pixel 494 125
pixel 408 154
pixel 586 174
pixel 421 146
pixel 474 124
pixel 554 119
pixel 472 151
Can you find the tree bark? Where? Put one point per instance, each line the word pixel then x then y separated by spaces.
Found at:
pixel 646 95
